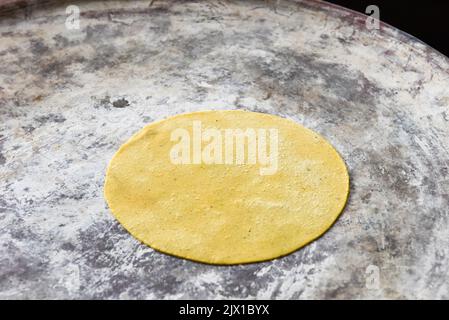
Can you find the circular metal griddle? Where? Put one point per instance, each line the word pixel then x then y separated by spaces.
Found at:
pixel 70 98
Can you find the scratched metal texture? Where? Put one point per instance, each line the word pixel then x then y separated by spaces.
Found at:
pixel 70 98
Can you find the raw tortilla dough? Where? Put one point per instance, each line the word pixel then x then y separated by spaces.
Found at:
pixel 226 214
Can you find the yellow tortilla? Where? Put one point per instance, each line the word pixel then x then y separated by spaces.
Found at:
pixel 226 213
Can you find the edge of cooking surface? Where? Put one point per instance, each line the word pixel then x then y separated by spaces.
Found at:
pixel 24 8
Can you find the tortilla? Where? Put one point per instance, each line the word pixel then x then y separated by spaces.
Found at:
pixel 253 187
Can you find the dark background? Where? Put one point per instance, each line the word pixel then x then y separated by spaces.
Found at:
pixel 426 20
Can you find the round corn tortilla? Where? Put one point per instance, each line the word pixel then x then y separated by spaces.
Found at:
pixel 226 213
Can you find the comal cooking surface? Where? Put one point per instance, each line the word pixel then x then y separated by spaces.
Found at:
pixel 70 98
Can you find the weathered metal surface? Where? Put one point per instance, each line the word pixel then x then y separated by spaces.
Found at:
pixel 70 98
